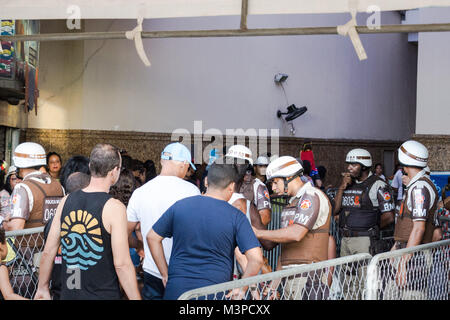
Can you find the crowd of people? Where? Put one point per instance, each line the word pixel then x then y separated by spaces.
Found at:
pixel 114 229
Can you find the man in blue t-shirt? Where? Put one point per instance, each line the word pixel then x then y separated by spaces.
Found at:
pixel 205 230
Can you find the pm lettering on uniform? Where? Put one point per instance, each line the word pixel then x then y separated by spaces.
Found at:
pixel 419 212
pixel 301 218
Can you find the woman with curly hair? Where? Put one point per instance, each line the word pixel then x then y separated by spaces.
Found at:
pixel 124 187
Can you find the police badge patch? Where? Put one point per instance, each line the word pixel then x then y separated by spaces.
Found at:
pixel 15 199
pixel 305 204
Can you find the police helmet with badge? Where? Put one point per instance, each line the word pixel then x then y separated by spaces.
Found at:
pixel 285 167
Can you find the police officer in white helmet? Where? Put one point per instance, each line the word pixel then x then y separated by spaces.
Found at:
pixel 253 189
pixel 420 198
pixel 34 200
pixel 415 219
pixel 365 205
pixel 364 202
pixel 305 224
pixel 260 168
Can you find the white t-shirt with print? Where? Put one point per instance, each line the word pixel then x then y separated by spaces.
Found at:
pixel 148 203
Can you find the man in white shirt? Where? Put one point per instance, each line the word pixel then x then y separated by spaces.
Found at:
pixel 150 201
pixel 397 186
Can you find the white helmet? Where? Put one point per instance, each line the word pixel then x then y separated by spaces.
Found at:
pixel 29 154
pixel 283 167
pixel 413 154
pixel 12 169
pixel 262 161
pixel 360 156
pixel 240 152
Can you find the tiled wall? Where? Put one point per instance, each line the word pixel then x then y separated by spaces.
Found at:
pixel 148 145
pixel 439 149
pixel 2 142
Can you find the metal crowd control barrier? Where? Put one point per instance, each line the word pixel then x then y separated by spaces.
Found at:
pixel 337 279
pixel 24 252
pixel 278 204
pixel 417 273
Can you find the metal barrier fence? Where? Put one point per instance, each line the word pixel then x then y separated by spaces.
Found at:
pixel 420 272
pixel 24 253
pixel 417 273
pixel 278 204
pixel 337 279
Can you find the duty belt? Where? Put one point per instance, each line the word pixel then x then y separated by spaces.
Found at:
pixel 353 233
pixel 349 233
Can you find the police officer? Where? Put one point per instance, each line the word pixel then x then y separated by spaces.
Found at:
pixel 34 200
pixel 305 223
pixel 253 189
pixel 365 204
pixel 415 220
pixel 260 168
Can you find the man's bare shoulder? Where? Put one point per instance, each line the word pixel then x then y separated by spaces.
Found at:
pixel 114 205
pixel 114 214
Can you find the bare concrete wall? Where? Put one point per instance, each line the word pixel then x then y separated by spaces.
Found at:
pixel 433 96
pixel 228 82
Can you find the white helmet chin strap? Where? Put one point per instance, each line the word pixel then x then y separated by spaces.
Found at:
pixel 286 181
